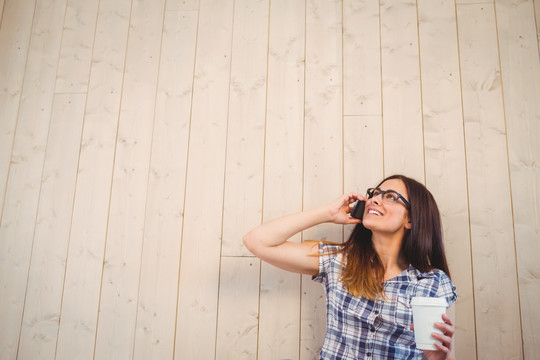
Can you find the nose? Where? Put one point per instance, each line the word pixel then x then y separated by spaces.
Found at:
pixel 376 199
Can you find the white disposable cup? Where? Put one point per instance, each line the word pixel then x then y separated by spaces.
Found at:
pixel 426 312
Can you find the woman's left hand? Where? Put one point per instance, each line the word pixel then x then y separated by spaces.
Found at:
pixel 445 339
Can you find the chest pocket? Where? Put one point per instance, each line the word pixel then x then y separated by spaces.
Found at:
pixel 344 307
pixel 400 319
pixel 403 311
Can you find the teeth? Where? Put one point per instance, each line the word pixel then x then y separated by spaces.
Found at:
pixel 374 212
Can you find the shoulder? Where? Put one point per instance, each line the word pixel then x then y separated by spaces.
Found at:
pixel 435 274
pixel 434 283
pixel 330 261
pixel 326 247
pixel 330 252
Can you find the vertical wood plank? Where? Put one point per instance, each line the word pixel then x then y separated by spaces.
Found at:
pixel 51 239
pixel 82 285
pixel 361 58
pixel 121 270
pixel 156 311
pixel 520 68
pixel 362 155
pixel 181 5
pixel 536 4
pixel 77 43
pixel 279 311
pixel 362 149
pixel 280 291
pixel 1 12
pixel 465 2
pixel 238 308
pixel 201 242
pixel 446 171
pixel 245 136
pixel 24 182
pixel 15 32
pixel 402 116
pixel 323 148
pixel 493 252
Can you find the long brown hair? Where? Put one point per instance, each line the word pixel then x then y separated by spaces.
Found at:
pixel 422 246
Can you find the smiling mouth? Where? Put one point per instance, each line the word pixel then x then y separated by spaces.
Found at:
pixel 375 212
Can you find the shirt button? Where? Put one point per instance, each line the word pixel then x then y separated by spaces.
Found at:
pixel 368 354
pixel 372 329
pixel 376 312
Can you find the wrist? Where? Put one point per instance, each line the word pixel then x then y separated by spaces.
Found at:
pixel 325 214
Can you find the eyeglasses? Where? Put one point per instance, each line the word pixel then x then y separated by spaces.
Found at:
pixel 389 197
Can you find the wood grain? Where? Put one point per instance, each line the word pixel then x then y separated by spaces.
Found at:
pixel 238 308
pixel 201 241
pixel 158 289
pixel 53 222
pixel 123 248
pixel 77 45
pixel 401 90
pixel 517 40
pixel 279 328
pixel 26 169
pixel 15 31
pixel 492 236
pixel 82 284
pixel 361 58
pixel 246 125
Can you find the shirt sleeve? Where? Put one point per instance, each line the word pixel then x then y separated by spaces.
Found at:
pixel 327 252
pixel 447 290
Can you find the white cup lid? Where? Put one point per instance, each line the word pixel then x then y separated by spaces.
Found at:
pixel 428 301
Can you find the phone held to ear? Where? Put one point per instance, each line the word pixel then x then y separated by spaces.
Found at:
pixel 358 210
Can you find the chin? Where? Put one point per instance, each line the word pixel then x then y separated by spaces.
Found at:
pixel 367 224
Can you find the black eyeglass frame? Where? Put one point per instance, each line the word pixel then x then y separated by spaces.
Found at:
pixel 382 192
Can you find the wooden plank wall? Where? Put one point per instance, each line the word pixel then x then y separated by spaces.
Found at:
pixel 1 11
pixel 140 139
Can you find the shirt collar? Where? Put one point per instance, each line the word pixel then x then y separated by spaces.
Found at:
pixel 411 274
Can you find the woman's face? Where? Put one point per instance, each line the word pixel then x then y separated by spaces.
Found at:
pixel 381 217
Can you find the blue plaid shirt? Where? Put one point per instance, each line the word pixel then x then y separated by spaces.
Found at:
pixel 358 328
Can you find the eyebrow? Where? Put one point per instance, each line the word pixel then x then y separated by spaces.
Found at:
pixel 388 190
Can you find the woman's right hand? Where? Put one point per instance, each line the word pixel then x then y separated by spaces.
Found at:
pixel 340 209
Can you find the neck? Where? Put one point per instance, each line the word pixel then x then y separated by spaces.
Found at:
pixel 388 249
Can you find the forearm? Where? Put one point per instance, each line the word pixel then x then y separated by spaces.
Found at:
pixel 278 231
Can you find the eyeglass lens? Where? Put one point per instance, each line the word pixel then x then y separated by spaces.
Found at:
pixel 388 196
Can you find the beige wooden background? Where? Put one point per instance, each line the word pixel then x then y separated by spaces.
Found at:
pixel 140 139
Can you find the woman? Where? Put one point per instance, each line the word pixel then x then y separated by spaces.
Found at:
pixel 394 253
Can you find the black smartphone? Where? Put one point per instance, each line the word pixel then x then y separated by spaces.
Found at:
pixel 358 209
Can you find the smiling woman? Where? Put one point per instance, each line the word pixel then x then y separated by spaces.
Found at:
pixel 394 254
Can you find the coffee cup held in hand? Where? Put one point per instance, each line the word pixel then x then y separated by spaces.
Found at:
pixel 426 312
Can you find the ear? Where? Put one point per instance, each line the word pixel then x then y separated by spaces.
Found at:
pixel 408 225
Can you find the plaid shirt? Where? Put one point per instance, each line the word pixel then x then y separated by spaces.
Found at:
pixel 358 328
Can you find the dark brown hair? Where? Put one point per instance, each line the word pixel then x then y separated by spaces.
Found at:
pixel 422 246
